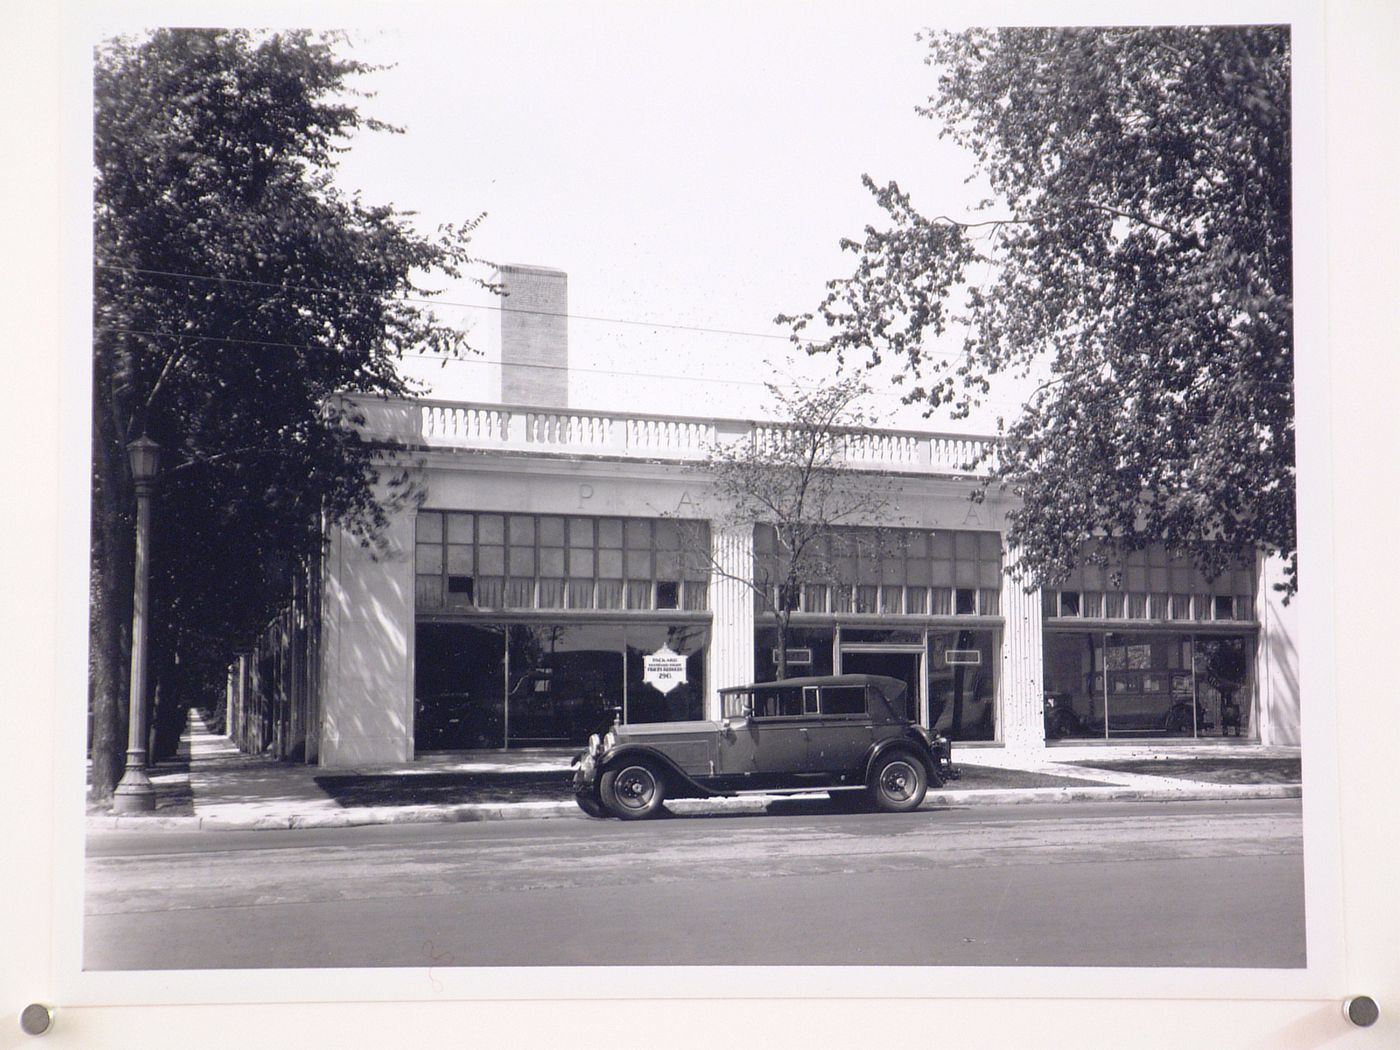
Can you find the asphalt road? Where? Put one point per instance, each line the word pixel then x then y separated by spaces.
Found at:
pixel 1118 884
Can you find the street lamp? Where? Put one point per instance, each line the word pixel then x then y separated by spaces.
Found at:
pixel 135 794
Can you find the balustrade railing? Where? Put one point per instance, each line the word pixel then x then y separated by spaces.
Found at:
pixel 442 424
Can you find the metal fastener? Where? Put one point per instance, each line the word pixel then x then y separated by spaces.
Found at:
pixel 35 1019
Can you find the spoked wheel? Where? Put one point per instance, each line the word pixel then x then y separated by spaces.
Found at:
pixel 633 791
pixel 898 783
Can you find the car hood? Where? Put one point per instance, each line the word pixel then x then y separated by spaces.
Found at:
pixel 652 730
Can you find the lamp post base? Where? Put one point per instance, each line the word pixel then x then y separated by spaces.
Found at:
pixel 134 794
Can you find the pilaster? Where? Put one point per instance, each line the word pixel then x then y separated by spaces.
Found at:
pixel 1022 664
pixel 731 602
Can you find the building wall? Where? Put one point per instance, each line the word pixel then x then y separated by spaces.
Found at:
pixel 366 677
pixel 1280 693
pixel 366 662
pixel 1022 662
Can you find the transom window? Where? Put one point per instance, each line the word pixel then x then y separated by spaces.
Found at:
pixel 1151 585
pixel 474 560
pixel 887 572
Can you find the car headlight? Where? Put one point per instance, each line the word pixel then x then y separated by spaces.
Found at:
pixel 594 743
pixel 609 740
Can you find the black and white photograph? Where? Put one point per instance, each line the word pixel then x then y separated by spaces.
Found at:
pixel 623 502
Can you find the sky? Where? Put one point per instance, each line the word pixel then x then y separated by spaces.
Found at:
pixel 692 168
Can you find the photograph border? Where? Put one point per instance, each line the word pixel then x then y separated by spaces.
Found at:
pixel 1332 925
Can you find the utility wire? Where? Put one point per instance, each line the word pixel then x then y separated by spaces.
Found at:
pixel 622 373
pixel 446 302
pixel 326 290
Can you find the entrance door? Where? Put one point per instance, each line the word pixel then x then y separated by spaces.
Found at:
pixel 904 664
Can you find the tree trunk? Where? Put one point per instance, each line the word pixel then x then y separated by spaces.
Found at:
pixel 109 632
pixel 110 596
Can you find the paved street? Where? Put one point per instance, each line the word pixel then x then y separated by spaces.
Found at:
pixel 1120 884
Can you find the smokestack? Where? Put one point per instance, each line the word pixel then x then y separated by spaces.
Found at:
pixel 535 337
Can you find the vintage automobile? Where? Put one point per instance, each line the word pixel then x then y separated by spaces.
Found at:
pixel 845 733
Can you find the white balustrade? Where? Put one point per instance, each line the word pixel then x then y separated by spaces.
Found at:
pixel 457 425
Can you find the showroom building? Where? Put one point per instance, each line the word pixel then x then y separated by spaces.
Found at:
pixel 562 570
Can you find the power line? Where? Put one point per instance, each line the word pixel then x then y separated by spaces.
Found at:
pixel 446 302
pixel 621 373
pixel 989 404
pixel 800 343
pixel 494 308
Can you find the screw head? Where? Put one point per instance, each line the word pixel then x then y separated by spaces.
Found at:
pixel 1362 1011
pixel 35 1019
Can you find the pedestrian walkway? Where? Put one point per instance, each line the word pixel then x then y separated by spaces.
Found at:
pixel 233 790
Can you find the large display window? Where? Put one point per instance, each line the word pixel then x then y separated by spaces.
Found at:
pixel 955 666
pixel 1107 684
pixel 524 685
pixel 962 684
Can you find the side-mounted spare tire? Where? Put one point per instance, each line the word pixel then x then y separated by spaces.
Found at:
pixel 633 790
pixel 898 782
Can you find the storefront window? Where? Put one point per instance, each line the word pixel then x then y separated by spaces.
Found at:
pixel 811 651
pixel 648 701
pixel 962 684
pixel 1224 683
pixel 549 685
pixel 459 687
pixel 565 681
pixel 1147 683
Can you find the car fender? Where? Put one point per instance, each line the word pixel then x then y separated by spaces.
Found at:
pixel 912 747
pixel 679 784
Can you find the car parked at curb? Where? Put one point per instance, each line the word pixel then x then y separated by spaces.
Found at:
pixel 846 734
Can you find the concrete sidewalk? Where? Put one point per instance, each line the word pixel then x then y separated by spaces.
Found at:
pixel 232 790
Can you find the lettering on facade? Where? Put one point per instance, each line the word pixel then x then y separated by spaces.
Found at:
pixel 585 493
pixel 664 669
pixel 687 506
pixel 972 517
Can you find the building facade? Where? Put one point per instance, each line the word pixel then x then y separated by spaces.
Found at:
pixel 552 579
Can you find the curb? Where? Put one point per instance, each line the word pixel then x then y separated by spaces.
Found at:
pixel 475 812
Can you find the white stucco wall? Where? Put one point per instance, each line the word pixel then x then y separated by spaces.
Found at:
pixel 366 655
pixel 1280 689
pixel 1022 666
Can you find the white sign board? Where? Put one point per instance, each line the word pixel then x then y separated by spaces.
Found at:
pixel 663 669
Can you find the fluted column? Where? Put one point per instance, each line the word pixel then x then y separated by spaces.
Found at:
pixel 1022 665
pixel 731 601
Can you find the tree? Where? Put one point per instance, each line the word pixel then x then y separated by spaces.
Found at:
pixel 794 478
pixel 1137 254
pixel 237 293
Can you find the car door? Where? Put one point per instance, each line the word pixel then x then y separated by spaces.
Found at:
pixel 838 740
pixel 769 747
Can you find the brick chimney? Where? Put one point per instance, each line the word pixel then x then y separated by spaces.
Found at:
pixel 535 337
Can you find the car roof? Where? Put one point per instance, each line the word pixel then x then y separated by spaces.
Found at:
pixel 884 683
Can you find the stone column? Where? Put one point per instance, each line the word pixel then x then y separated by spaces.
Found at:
pixel 731 602
pixel 1022 665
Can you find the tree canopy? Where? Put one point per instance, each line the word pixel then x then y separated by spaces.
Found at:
pixel 1136 254
pixel 237 291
